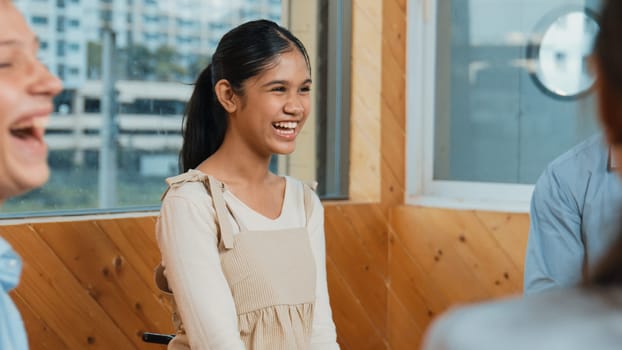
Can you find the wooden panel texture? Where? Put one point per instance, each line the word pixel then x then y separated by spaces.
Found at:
pixel 88 284
pixel 439 258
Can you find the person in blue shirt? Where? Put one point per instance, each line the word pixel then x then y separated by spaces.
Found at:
pixel 574 216
pixel 26 92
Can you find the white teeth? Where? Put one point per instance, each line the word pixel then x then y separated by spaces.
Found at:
pixel 38 122
pixel 286 125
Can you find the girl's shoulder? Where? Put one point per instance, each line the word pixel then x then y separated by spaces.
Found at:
pixel 311 185
pixel 187 185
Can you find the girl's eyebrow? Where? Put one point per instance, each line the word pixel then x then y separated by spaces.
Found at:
pixel 283 82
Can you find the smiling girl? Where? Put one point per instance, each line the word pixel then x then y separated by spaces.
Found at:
pixel 242 248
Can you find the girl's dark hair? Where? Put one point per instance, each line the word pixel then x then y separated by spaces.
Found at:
pixel 608 59
pixel 242 53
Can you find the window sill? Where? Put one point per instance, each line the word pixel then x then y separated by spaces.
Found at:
pixel 506 206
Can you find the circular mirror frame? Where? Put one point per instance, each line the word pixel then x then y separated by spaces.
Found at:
pixel 533 49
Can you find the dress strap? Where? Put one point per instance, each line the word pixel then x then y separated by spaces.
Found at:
pixel 216 189
pixel 309 189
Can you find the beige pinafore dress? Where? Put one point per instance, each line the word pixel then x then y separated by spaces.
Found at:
pixel 271 275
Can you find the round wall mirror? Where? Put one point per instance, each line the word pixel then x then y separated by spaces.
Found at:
pixel 559 59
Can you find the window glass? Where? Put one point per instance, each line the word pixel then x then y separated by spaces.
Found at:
pixel 493 120
pixel 160 47
pixel 119 160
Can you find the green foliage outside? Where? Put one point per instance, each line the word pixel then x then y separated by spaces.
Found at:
pixel 77 189
pixel 137 62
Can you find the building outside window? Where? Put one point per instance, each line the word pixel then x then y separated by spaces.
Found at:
pixel 154 67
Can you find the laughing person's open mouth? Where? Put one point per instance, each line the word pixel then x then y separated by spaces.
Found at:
pixel 30 129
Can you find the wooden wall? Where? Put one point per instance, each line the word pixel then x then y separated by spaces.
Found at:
pixel 88 284
pixel 439 258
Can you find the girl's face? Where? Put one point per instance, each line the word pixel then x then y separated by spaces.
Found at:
pixel 26 92
pixel 275 106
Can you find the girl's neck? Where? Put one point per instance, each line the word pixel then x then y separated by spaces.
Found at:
pixel 237 163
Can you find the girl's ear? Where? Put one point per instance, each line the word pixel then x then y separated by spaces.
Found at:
pixel 226 96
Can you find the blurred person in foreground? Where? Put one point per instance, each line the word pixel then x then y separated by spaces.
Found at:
pixel 26 92
pixel 585 317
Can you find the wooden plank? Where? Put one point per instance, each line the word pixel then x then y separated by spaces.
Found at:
pixel 369 13
pixel 355 330
pixel 371 226
pixel 135 239
pixel 511 232
pixel 40 335
pixel 393 151
pixel 421 233
pixel 392 165
pixel 394 32
pixel 404 333
pixel 138 245
pixel 104 272
pixel 364 167
pixel 356 266
pixel 420 294
pixel 478 248
pixel 54 294
pixel 365 101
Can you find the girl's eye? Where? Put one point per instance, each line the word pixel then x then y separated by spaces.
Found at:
pixel 5 64
pixel 279 88
pixel 305 89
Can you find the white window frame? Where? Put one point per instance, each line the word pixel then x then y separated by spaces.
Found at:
pixel 421 188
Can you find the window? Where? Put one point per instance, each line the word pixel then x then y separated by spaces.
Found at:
pixel 105 16
pixel 60 24
pixel 154 68
pixel 60 70
pixel 39 20
pixel 150 19
pixel 60 48
pixel 479 129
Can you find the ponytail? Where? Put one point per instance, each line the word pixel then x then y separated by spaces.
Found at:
pixel 204 124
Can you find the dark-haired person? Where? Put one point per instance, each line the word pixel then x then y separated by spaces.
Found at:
pixel 242 248
pixel 585 317
pixel 26 92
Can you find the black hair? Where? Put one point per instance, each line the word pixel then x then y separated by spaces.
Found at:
pixel 242 53
pixel 608 59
